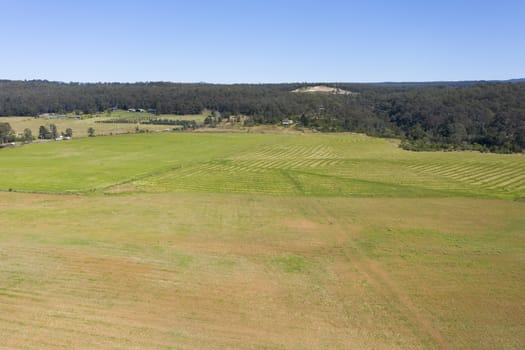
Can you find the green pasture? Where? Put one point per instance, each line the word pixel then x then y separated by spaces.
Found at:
pixel 126 122
pixel 341 165
pixel 142 116
pixel 259 241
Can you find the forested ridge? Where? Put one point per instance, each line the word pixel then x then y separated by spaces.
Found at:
pixel 486 116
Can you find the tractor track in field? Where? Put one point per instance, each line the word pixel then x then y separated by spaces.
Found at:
pixel 387 287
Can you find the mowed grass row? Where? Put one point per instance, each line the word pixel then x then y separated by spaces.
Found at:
pixel 490 174
pixel 345 165
pixel 234 178
pixel 306 165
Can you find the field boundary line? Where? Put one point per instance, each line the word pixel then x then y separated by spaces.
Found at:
pixel 132 179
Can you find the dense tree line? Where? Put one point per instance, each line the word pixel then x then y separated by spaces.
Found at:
pixel 484 116
pixel 470 115
pixel 186 124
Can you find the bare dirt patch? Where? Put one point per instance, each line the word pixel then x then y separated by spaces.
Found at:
pixel 302 224
pixel 324 89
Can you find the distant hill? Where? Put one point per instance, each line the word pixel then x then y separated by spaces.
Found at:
pixel 446 83
pixel 483 115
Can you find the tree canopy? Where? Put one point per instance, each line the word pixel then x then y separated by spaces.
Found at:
pixel 470 115
pixel 6 133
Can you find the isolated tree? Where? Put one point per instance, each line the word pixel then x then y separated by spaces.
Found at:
pixel 303 120
pixel 43 133
pixel 28 135
pixel 6 133
pixel 91 131
pixel 53 130
pixel 69 132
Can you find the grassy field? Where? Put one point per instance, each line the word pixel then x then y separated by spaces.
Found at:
pixel 259 241
pixel 125 115
pixel 80 127
pixel 304 165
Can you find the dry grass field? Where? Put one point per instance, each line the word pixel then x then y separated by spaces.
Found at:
pixel 80 127
pixel 199 241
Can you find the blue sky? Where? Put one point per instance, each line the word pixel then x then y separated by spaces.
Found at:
pixel 262 41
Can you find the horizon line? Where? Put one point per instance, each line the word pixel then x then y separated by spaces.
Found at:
pixel 266 83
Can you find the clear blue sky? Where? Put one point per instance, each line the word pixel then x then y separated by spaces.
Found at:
pixel 259 41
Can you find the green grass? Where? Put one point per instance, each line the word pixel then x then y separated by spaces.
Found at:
pixel 290 263
pixel 139 115
pixel 182 240
pixel 314 165
pixel 80 127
